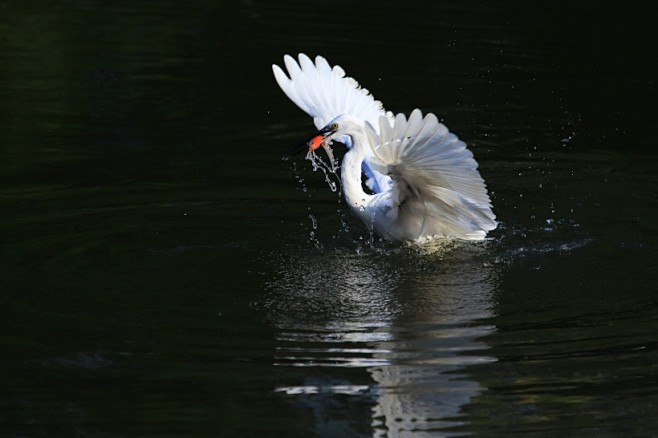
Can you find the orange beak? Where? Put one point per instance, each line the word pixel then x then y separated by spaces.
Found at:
pixel 319 139
pixel 316 142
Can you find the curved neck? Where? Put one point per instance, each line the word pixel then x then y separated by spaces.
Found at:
pixel 351 172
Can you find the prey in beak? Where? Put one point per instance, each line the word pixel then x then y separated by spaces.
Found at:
pixel 321 139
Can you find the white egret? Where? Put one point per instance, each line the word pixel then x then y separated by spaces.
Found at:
pixel 423 180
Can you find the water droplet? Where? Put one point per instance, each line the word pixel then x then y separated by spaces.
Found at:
pixel 329 170
pixel 314 221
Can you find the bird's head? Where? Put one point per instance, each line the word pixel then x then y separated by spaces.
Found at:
pixel 322 138
pixel 336 129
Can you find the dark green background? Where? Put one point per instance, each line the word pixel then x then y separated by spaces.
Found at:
pixel 160 274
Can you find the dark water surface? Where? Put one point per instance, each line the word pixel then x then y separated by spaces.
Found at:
pixel 163 273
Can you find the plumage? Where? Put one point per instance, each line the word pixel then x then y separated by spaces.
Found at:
pixel 425 179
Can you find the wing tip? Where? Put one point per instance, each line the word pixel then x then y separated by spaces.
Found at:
pixel 324 91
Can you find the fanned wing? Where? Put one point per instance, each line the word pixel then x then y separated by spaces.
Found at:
pixel 324 92
pixel 436 177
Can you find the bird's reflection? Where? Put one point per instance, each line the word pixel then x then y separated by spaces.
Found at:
pixel 411 320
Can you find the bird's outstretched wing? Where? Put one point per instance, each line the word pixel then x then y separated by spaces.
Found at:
pixel 435 173
pixel 324 92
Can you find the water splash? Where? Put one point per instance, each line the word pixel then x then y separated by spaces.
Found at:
pixel 435 247
pixel 328 169
pixel 314 221
pixel 332 178
pixel 314 226
pixel 565 141
pixel 532 243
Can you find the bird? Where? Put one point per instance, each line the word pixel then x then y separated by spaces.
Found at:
pixel 421 181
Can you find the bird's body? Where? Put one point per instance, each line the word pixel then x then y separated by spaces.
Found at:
pixel 424 181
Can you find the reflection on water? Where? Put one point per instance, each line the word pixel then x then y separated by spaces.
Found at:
pixel 411 321
pixel 141 179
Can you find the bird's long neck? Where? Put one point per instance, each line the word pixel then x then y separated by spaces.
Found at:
pixel 351 172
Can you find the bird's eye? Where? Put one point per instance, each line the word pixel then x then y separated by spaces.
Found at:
pixel 334 126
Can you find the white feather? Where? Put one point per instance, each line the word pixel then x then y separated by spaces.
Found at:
pixel 438 171
pixel 426 180
pixel 324 93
